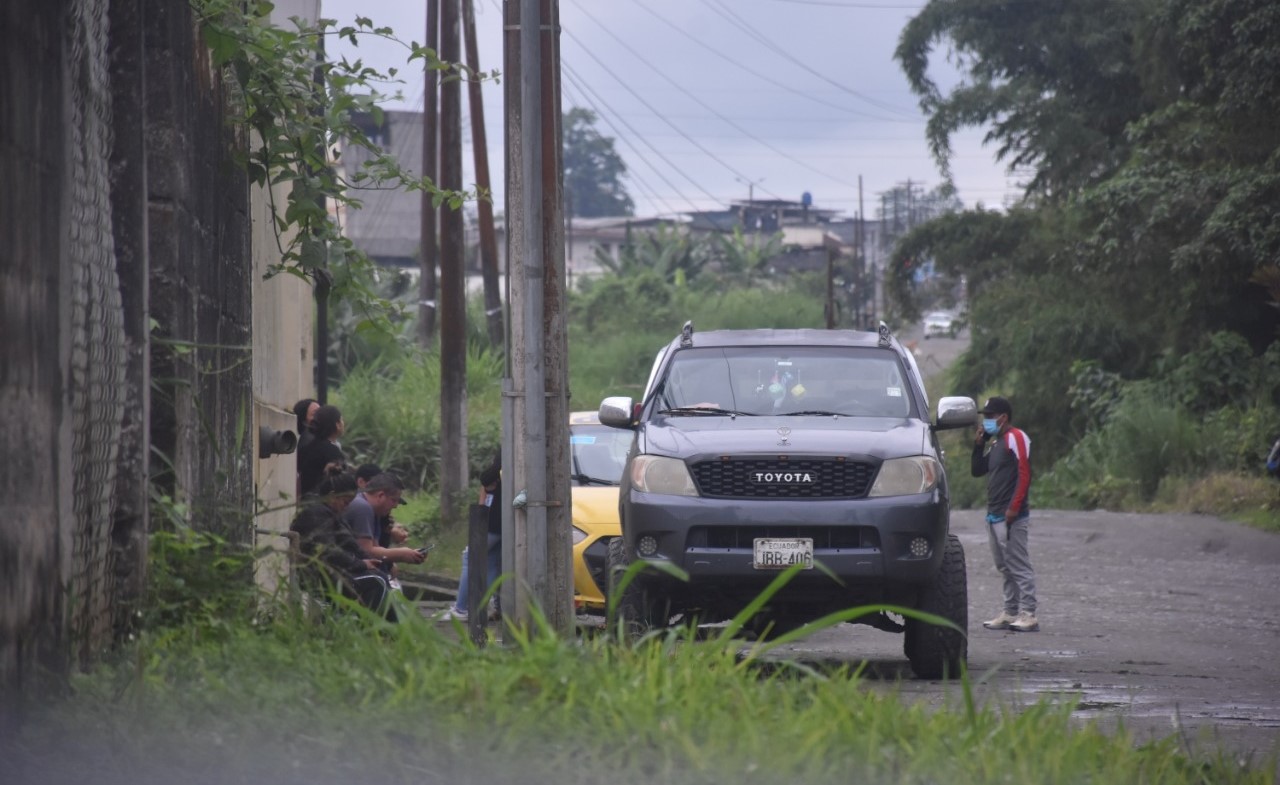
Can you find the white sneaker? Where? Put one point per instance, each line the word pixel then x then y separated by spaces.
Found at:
pixel 453 614
pixel 1001 622
pixel 1026 622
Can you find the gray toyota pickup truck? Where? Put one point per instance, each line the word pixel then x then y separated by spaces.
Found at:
pixel 758 449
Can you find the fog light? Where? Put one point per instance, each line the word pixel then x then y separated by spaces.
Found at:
pixel 647 546
pixel 919 547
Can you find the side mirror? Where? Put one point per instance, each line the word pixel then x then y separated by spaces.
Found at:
pixel 272 442
pixel 956 412
pixel 616 412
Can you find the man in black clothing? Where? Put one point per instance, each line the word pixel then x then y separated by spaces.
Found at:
pixel 333 554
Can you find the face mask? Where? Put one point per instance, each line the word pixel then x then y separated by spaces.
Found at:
pixel 990 427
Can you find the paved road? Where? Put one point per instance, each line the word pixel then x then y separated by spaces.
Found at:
pixel 1170 623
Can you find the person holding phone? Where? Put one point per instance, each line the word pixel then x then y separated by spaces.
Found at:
pixel 1002 453
pixel 490 496
pixel 378 498
pixel 333 557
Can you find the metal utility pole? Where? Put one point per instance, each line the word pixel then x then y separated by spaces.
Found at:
pixel 538 531
pixel 453 295
pixel 484 207
pixel 430 158
pixel 830 307
pixel 911 208
pixel 862 254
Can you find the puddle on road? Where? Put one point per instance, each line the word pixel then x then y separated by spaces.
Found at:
pixel 1098 701
pixel 1061 654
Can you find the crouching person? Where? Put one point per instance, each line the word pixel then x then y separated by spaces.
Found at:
pixel 334 557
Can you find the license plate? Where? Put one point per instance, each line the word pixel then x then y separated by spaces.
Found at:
pixel 777 554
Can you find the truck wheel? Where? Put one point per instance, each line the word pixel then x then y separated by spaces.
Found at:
pixel 938 652
pixel 638 605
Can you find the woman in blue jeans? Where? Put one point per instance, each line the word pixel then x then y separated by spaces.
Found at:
pixel 491 497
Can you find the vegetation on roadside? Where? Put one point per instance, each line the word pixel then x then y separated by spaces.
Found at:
pixel 214 684
pixel 277 700
pixel 1130 304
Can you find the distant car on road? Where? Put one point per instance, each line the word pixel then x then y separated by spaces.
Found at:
pixel 940 323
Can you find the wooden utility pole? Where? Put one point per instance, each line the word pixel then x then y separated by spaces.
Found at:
pixel 538 387
pixel 484 207
pixel 453 295
pixel 559 545
pixel 427 253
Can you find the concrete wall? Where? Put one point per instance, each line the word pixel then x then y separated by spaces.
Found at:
pixel 201 274
pixel 36 532
pixel 283 361
pixel 133 355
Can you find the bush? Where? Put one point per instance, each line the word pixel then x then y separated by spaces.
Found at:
pixel 624 322
pixel 1222 494
pixel 392 413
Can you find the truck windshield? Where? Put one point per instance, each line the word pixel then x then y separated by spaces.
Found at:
pixel 764 380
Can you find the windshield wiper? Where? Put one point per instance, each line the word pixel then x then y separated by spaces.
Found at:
pixel 815 413
pixel 705 410
pixel 587 479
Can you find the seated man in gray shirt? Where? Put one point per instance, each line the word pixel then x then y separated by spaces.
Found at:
pixel 364 514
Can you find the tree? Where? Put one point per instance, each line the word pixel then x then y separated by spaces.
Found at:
pixel 593 170
pixel 1055 81
pixel 1149 129
pixel 673 255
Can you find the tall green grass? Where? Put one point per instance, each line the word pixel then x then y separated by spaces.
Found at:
pixel 355 699
pixel 613 355
pixel 1149 441
pixel 392 411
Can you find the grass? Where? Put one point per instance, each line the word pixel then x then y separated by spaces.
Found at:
pixel 353 698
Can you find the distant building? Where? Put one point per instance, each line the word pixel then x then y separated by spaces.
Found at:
pixel 388 226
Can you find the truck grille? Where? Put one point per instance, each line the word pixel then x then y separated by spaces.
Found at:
pixel 824 537
pixel 770 478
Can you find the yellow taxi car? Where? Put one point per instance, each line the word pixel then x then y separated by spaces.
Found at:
pixel 599 453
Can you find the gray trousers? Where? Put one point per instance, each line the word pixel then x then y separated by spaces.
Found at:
pixel 1013 560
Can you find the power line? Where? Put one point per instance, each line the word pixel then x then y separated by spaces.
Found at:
pixel 734 18
pixel 757 74
pixel 674 83
pixel 650 192
pixel 871 6
pixel 789 119
pixel 653 109
pixel 587 91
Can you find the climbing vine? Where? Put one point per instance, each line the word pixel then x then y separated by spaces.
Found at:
pixel 300 110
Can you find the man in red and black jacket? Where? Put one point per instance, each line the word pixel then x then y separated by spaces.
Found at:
pixel 1002 454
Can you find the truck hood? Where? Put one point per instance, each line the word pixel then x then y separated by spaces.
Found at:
pixel 702 437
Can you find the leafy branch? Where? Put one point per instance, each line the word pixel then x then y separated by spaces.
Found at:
pixel 300 110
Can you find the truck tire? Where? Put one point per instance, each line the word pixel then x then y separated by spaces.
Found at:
pixel 938 652
pixel 637 606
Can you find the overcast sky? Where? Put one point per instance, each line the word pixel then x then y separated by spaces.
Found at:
pixel 705 97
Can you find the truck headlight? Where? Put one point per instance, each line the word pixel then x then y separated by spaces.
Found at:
pixel 656 474
pixel 906 476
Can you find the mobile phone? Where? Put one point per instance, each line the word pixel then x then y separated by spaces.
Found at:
pixel 424 550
